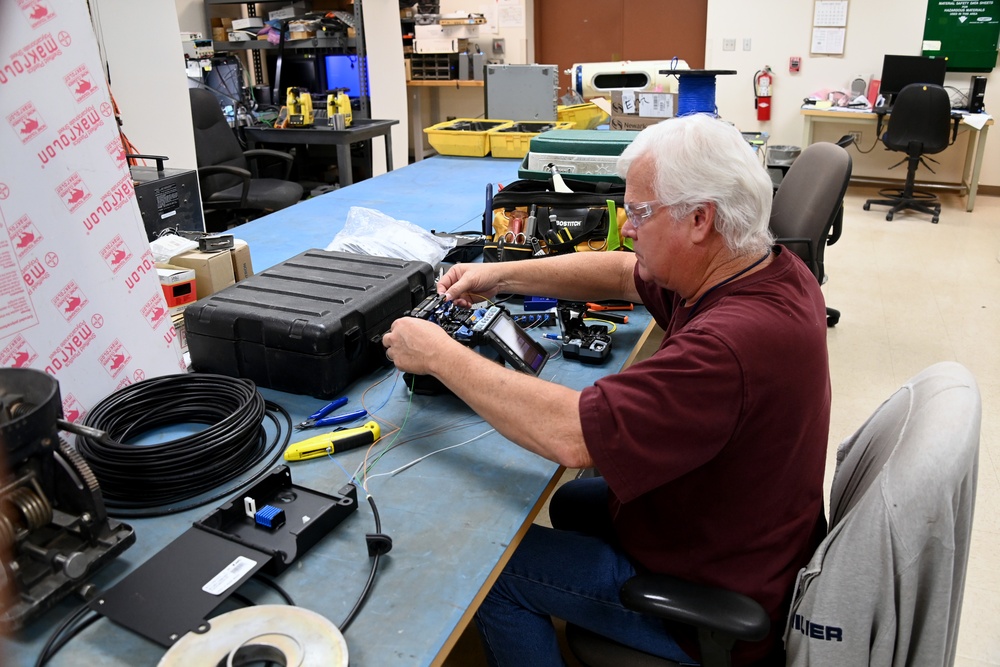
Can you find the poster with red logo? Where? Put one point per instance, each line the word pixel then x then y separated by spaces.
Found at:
pixel 79 295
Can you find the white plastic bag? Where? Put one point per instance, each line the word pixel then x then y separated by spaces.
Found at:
pixel 371 232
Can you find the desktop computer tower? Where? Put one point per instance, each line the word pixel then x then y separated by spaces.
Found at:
pixel 977 94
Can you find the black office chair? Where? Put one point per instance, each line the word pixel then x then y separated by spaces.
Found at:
pixel 918 126
pixel 226 181
pixel 808 209
pixel 911 470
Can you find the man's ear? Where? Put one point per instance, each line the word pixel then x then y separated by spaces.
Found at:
pixel 702 222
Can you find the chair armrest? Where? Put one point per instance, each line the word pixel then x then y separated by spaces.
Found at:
pixel 837 228
pixel 718 610
pixel 257 153
pixel 234 171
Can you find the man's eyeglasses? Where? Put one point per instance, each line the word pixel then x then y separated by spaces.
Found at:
pixel 639 212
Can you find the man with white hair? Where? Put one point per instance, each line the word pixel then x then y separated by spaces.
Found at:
pixel 711 451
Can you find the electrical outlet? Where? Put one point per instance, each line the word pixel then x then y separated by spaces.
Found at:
pixel 729 44
pixel 746 43
pixel 856 135
pixel 498 45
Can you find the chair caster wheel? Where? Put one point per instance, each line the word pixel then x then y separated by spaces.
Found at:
pixel 831 320
pixel 867 206
pixel 934 219
pixel 888 216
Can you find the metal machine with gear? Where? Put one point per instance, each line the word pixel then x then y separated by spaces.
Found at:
pixel 54 529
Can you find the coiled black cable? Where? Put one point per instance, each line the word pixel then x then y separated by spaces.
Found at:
pixel 155 479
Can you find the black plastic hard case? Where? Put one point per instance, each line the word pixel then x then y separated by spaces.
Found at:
pixel 310 325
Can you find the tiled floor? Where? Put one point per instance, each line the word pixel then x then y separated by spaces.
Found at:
pixel 911 294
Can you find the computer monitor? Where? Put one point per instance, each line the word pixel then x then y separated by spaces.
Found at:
pixel 900 71
pixel 343 71
pixel 298 71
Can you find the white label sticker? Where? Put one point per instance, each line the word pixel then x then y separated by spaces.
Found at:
pixel 233 572
pixel 628 101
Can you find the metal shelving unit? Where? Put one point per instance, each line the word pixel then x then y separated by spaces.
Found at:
pixel 332 43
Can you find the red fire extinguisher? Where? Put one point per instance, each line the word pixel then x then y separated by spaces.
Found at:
pixel 762 81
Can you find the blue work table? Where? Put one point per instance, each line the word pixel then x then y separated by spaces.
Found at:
pixel 453 518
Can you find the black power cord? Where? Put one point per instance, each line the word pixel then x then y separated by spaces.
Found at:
pixel 378 545
pixel 156 479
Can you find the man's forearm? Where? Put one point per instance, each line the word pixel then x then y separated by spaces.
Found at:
pixel 543 417
pixel 583 276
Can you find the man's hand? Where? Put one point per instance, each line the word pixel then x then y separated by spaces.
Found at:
pixel 416 345
pixel 466 284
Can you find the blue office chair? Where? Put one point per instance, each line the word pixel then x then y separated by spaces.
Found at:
pixel 918 126
pixel 901 508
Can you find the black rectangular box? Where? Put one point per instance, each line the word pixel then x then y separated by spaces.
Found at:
pixel 310 325
pixel 168 199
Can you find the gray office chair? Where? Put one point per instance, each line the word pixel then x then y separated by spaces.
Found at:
pixel 808 209
pixel 223 167
pixel 887 580
pixel 919 126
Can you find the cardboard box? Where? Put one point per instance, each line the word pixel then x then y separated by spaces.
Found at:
pixel 440 45
pixel 213 270
pixel 634 123
pixel 240 254
pixel 178 283
pixel 646 105
pixel 252 23
pixel 291 11
pixel 177 319
pixel 437 31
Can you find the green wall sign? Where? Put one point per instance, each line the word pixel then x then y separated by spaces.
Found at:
pixel 966 32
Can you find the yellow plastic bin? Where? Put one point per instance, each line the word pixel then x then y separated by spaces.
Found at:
pixel 585 116
pixel 514 141
pixel 464 136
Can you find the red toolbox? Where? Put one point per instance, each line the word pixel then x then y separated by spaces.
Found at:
pixel 310 325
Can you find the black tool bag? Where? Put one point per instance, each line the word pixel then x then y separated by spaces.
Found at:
pixel 564 222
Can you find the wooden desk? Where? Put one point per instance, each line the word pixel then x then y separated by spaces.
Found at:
pixel 454 518
pixel 973 156
pixel 414 90
pixel 361 129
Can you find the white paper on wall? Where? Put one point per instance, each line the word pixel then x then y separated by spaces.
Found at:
pixel 79 295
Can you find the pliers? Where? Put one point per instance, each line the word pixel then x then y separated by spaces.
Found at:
pixel 319 418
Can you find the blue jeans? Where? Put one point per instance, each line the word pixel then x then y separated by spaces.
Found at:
pixel 572 572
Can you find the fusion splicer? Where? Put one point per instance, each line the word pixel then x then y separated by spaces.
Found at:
pixel 589 344
pixel 491 327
